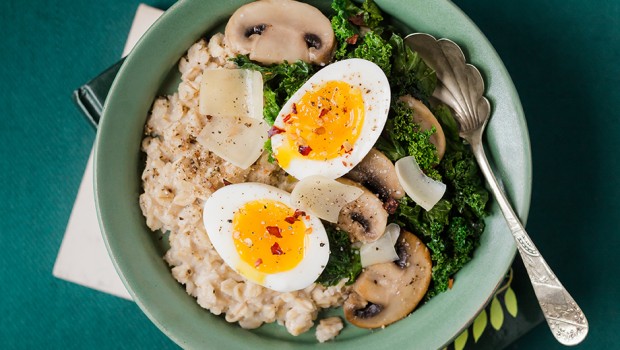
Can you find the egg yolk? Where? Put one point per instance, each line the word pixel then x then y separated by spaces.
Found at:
pixel 323 124
pixel 269 236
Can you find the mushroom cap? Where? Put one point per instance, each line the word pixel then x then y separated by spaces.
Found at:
pixel 425 118
pixel 274 31
pixel 377 173
pixel 364 219
pixel 385 293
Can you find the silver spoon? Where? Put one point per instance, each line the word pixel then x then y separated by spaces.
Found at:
pixel 461 87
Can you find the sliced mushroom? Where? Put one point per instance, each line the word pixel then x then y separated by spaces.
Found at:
pixel 364 219
pixel 385 293
pixel 273 31
pixel 425 118
pixel 377 173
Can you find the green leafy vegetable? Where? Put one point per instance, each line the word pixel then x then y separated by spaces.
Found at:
pixel 452 228
pixel 375 49
pixel 450 238
pixel 410 74
pixel 280 81
pixel 355 43
pixel 465 185
pixel 371 14
pixel 271 107
pixel 402 137
pixel 448 124
pixel 343 29
pixel 344 260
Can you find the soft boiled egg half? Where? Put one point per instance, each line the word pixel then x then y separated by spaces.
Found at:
pixel 257 232
pixel 333 120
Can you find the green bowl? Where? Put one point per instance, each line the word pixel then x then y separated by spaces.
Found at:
pixel 137 252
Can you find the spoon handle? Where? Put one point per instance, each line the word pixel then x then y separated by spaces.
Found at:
pixel 566 320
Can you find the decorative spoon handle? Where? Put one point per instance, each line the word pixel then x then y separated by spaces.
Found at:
pixel 566 320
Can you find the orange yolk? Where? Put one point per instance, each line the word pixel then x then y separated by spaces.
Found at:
pixel 323 124
pixel 269 236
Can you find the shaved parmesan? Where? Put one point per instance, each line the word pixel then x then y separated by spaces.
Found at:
pixel 425 191
pixel 231 93
pixel 323 197
pixel 382 250
pixel 237 140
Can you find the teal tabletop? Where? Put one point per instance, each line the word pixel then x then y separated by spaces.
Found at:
pixel 563 56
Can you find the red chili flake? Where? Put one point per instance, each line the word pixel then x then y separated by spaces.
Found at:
pixel 320 130
pixel 294 108
pixel 323 112
pixel 274 231
pixel 226 182
pixel 295 217
pixel 347 147
pixel 258 262
pixel 287 118
pixel 274 131
pixel 353 39
pixel 304 150
pixel 276 250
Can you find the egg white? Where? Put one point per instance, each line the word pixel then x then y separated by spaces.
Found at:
pixel 218 214
pixel 376 95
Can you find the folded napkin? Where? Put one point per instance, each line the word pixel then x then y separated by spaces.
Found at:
pixel 83 258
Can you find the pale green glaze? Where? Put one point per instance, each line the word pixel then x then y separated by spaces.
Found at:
pixel 137 252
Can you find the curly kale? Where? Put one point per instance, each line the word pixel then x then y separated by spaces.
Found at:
pixel 451 238
pixel 344 260
pixel 452 228
pixel 402 137
pixel 352 42
pixel 375 49
pixel 410 74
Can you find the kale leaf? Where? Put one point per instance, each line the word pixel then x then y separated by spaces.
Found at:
pixel 460 169
pixel 402 137
pixel 280 81
pixel 375 49
pixel 352 42
pixel 410 74
pixel 344 260
pixel 344 30
pixel 451 229
pixel 450 237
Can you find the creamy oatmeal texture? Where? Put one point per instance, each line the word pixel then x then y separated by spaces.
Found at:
pixel 180 175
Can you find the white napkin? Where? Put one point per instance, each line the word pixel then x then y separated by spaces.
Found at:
pixel 83 258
